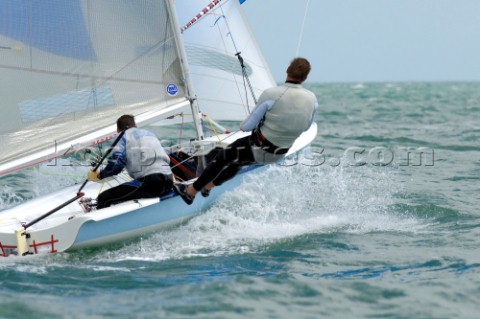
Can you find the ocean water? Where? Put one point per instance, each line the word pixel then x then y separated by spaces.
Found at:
pixel 382 220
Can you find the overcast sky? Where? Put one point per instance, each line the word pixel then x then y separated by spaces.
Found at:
pixel 371 40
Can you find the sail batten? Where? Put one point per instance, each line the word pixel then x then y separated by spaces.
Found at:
pixel 79 75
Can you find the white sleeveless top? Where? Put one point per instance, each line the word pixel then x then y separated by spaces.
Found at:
pixel 145 154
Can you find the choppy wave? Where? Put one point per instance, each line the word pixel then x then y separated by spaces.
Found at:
pixel 283 204
pixel 332 240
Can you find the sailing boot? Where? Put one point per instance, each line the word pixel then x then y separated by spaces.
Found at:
pixel 181 190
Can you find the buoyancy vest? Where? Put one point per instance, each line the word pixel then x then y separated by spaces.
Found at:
pixel 290 114
pixel 145 154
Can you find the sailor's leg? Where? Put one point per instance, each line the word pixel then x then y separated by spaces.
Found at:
pixel 238 153
pixel 226 174
pixel 123 192
pixel 114 194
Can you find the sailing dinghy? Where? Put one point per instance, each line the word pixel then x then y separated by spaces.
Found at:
pixel 70 69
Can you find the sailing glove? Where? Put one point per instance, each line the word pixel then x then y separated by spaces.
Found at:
pixel 92 175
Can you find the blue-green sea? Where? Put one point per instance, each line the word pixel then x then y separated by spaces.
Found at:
pixel 381 220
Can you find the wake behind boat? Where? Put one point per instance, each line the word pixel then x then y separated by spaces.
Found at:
pixel 131 60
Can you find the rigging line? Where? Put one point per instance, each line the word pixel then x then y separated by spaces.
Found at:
pixel 193 154
pixel 240 60
pixel 246 97
pixel 184 161
pixel 302 28
pixel 245 77
pixel 238 85
pixel 181 131
pixel 228 29
pixel 214 130
pixel 230 134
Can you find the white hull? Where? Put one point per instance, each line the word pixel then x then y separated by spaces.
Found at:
pixel 72 227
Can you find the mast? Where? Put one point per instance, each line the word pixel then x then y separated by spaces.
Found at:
pixel 186 72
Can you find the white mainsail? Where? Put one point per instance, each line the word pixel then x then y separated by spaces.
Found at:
pixel 68 69
pixel 211 45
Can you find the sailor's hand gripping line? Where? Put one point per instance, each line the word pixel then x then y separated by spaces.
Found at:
pixel 21 233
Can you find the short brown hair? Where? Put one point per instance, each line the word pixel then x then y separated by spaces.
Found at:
pixel 125 121
pixel 299 69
